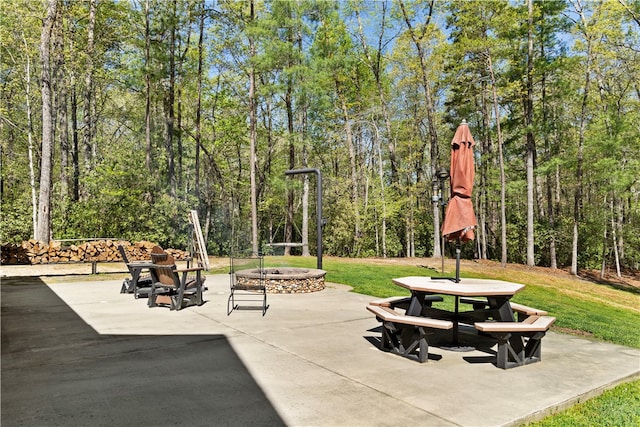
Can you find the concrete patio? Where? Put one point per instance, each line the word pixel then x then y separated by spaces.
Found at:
pixel 313 360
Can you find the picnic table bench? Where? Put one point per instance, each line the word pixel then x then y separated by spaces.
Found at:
pixel 403 302
pixel 403 334
pixel 519 343
pixel 522 310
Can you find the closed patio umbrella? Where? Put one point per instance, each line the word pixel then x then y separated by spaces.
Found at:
pixel 460 220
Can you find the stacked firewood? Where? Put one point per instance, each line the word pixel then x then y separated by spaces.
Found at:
pixel 37 252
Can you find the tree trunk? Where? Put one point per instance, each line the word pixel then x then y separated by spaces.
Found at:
pixel 375 66
pixel 354 170
pixel 75 142
pixel 620 211
pixel 487 151
pixel 169 110
pixel 305 216
pixel 411 229
pixel 87 136
pixel 603 264
pixel 550 213
pixel 147 84
pixel 32 174
pixel 64 140
pixel 253 137
pixel 577 205
pixel 199 102
pixel 382 197
pixel 503 184
pixel 431 117
pixel 288 226
pixel 305 189
pixel 61 88
pixel 531 148
pixel 43 229
pixel 180 181
pixel 207 222
pixel 614 238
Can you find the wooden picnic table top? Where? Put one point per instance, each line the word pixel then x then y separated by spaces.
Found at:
pixel 464 288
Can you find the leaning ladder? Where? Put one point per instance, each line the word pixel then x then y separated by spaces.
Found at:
pixel 199 247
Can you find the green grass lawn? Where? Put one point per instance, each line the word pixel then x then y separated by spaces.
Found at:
pixel 618 407
pixel 581 308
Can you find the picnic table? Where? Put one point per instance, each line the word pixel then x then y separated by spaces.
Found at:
pixel 496 305
pixel 405 332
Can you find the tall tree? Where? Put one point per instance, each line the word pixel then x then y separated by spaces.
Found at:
pixel 253 133
pixel 61 89
pixel 283 52
pixel 87 136
pixel 585 29
pixel 340 75
pixel 478 29
pixel 530 146
pixel 552 92
pixel 419 36
pixel 198 123
pixel 503 183
pixel 147 84
pixel 169 102
pixel 32 175
pixel 373 58
pixel 43 231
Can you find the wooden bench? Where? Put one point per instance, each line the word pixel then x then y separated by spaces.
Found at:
pixel 522 311
pixel 477 303
pixel 402 334
pixel 519 343
pixel 403 302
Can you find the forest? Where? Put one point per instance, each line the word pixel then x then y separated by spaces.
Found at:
pixel 119 117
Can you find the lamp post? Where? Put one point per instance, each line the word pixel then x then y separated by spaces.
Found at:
pixel 435 199
pixel 443 175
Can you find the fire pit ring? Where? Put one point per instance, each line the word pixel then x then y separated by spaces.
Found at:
pixel 285 280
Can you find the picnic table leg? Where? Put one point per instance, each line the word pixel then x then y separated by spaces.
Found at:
pixel 503 352
pixel 510 346
pixel 502 308
pixel 415 307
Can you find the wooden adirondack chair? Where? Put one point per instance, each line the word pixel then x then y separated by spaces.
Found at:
pixel 140 283
pixel 172 286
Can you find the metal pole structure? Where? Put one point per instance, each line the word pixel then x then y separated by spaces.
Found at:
pixel 319 220
pixel 443 175
pixel 442 235
pixel 458 260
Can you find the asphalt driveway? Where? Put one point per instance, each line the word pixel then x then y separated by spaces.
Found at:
pixel 58 371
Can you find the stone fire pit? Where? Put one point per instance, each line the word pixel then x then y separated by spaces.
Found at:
pixel 285 280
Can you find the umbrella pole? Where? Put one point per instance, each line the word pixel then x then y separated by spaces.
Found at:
pixel 458 261
pixel 442 250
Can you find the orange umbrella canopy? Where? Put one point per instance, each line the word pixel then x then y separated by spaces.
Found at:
pixel 460 219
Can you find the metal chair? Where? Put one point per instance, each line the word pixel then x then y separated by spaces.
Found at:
pixel 249 288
